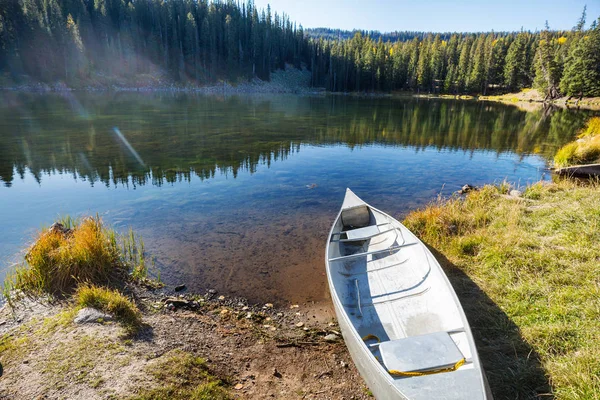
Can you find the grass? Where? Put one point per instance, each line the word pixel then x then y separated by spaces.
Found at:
pixel 112 302
pixel 75 361
pixel 536 263
pixel 78 252
pixel 585 150
pixel 183 376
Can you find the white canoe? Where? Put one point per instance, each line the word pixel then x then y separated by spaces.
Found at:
pixel 401 320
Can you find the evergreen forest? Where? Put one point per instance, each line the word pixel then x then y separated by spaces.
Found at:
pixel 201 42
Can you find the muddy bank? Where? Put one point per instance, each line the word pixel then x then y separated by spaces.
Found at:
pixel 255 351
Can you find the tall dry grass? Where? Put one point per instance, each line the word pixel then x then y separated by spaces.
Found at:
pixel 585 150
pixel 73 252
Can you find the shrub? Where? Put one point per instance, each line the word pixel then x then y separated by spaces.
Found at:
pixel 72 252
pixel 585 150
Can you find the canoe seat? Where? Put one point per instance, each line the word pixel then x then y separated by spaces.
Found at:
pixel 356 217
pixel 430 352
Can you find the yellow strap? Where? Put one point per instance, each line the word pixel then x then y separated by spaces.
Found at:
pixel 456 366
pixel 431 372
pixel 369 336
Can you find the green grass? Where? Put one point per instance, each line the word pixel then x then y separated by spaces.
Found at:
pixel 183 376
pixel 528 274
pixel 75 361
pixel 583 151
pixel 112 302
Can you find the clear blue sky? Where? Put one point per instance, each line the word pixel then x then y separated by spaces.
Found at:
pixel 435 15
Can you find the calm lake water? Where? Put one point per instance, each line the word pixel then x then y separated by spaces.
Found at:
pixel 238 193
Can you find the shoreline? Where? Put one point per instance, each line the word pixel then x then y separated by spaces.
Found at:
pixel 257 87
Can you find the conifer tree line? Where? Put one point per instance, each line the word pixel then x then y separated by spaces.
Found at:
pixel 555 62
pixel 196 40
pixel 202 41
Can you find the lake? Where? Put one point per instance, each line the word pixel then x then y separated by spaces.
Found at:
pixel 238 193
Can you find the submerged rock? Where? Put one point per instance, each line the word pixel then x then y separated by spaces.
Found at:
pixel 179 288
pixel 91 315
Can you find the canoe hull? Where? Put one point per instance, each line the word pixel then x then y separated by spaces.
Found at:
pixel 391 257
pixel 377 382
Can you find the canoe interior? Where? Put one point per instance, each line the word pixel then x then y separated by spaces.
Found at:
pixel 387 285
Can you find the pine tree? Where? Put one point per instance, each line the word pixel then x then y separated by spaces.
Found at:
pixel 516 68
pixel 546 72
pixel 581 75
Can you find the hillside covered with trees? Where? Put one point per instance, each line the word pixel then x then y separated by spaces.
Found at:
pixel 205 41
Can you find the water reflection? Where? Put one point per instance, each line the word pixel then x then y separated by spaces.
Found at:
pixel 238 193
pixel 162 138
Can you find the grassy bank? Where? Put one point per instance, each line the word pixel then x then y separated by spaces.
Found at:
pixel 75 252
pixel 584 150
pixel 537 259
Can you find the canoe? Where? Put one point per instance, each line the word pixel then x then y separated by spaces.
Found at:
pixel 400 318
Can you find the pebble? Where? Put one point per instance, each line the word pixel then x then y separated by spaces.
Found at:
pixel 300 324
pixel 221 297
pixel 179 288
pixel 466 189
pixel 280 314
pixel 239 386
pixel 245 308
pixel 212 291
pixel 294 306
pixel 268 305
pixel 332 337
pixel 343 364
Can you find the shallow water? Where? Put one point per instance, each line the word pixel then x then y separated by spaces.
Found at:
pixel 238 193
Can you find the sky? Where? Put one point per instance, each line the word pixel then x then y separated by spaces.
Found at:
pixel 435 15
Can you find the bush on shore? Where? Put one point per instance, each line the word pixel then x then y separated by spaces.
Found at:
pixel 74 252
